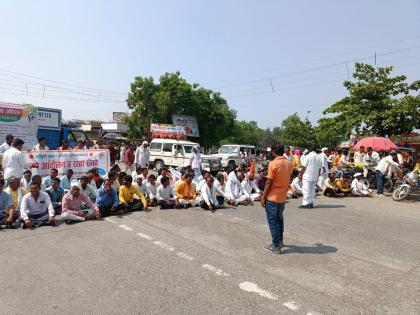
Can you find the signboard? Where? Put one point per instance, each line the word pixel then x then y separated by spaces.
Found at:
pixel 118 116
pixel 21 121
pixel 167 131
pixel 189 124
pixel 80 161
pixel 49 118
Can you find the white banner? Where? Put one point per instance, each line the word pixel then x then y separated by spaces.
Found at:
pixel 21 121
pixel 80 161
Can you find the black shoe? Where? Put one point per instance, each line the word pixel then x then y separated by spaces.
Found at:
pixel 303 207
pixel 311 206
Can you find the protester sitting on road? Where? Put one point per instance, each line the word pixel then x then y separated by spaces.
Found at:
pixel 36 208
pixel 152 189
pixel 107 200
pixel 202 180
pixel 385 166
pixel 234 190
pixel 330 187
pixel 86 188
pixel 185 192
pixel 46 181
pixel 142 186
pixel 165 195
pixel 98 180
pixel 144 173
pixel 72 206
pixel 131 197
pixel 41 146
pixel 121 176
pixel 359 188
pixel 9 218
pixel 220 184
pixel 163 172
pixel 56 194
pixel 113 177
pixel 66 180
pixel 249 187
pixel 25 181
pixel 261 180
pixel 16 192
pixel 343 186
pixel 38 179
pixel 137 171
pixel 296 186
pixel 208 198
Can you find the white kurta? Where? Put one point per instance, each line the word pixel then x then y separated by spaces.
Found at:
pixel 234 190
pixel 14 163
pixel 312 164
pixel 142 156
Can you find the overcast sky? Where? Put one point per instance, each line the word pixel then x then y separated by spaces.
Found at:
pixel 244 49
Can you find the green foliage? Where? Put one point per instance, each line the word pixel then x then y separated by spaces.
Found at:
pixel 157 102
pixel 245 132
pixel 377 104
pixel 297 132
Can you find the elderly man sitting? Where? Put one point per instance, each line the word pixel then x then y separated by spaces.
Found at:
pixel 8 217
pixel 36 208
pixel 249 186
pixel 16 192
pixel 359 188
pixel 72 206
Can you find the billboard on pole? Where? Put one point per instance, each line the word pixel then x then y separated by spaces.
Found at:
pixel 189 123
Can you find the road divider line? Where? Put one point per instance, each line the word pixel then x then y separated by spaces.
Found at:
pixel 291 305
pixel 184 256
pixel 145 236
pixel 215 270
pixel 254 288
pixel 125 227
pixel 164 246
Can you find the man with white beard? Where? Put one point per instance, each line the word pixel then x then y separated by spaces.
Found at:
pixel 324 168
pixel 311 167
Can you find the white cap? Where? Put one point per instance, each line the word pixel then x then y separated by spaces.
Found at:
pixel 305 151
pixel 75 184
pixel 357 174
pixel 324 149
pixel 207 169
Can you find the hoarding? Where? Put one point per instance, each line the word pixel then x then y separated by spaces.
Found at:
pixel 189 124
pixel 49 118
pixel 19 120
pixel 166 131
pixel 118 116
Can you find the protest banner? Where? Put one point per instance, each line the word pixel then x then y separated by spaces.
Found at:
pixel 80 161
pixel 19 120
pixel 167 131
pixel 189 124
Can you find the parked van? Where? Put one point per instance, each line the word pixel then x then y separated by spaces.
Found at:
pixel 178 153
pixel 231 154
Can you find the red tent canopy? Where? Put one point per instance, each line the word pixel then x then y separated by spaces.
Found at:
pixel 377 143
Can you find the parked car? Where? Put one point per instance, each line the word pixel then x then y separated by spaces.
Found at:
pixel 231 154
pixel 178 153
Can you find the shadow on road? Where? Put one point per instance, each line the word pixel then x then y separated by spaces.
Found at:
pixel 317 249
pixel 329 206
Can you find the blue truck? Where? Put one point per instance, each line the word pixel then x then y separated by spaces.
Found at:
pixel 50 127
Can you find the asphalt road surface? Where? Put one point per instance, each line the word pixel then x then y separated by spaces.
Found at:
pixel 346 256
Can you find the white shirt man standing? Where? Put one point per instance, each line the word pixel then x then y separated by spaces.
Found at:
pixel 196 162
pixel 324 168
pixel 311 168
pixel 142 155
pixel 41 146
pixel 14 161
pixel 7 144
pixel 359 155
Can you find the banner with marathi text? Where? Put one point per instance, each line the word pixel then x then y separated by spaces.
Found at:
pixel 80 161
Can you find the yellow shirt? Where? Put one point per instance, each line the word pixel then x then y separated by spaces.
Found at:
pixel 128 194
pixel 185 191
pixel 15 195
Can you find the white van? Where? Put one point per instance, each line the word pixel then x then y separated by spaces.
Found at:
pixel 231 154
pixel 177 153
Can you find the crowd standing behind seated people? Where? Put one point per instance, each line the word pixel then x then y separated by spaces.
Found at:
pixel 35 201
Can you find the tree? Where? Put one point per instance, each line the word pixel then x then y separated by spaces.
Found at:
pixel 245 132
pixel 297 132
pixel 157 102
pixel 377 104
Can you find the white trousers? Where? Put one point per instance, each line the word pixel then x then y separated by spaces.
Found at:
pixel 308 191
pixel 255 196
pixel 239 199
pixel 183 202
pixel 72 217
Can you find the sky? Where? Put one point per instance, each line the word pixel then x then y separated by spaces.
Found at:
pixel 268 58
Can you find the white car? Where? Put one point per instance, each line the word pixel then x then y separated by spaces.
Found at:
pixel 178 153
pixel 231 155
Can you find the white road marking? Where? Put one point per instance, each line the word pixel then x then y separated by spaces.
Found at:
pixel 164 246
pixel 125 227
pixel 184 256
pixel 252 287
pixel 145 236
pixel 110 221
pixel 213 269
pixel 291 305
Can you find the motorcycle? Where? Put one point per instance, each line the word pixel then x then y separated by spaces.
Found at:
pixel 410 183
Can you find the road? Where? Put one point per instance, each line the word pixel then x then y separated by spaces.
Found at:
pixel 347 256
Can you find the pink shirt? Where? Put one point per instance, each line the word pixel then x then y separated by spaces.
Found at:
pixel 71 204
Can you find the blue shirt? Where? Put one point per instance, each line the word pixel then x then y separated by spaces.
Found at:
pixel 55 195
pixel 66 183
pixel 5 203
pixel 47 181
pixel 107 198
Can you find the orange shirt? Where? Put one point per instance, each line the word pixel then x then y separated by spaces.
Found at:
pixel 279 171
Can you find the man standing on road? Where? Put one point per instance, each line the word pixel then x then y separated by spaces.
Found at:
pixel 311 168
pixel 142 155
pixel 385 166
pixel 274 197
pixel 14 161
pixel 129 159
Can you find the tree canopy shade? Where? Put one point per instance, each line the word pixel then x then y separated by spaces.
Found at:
pixel 152 102
pixel 377 104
